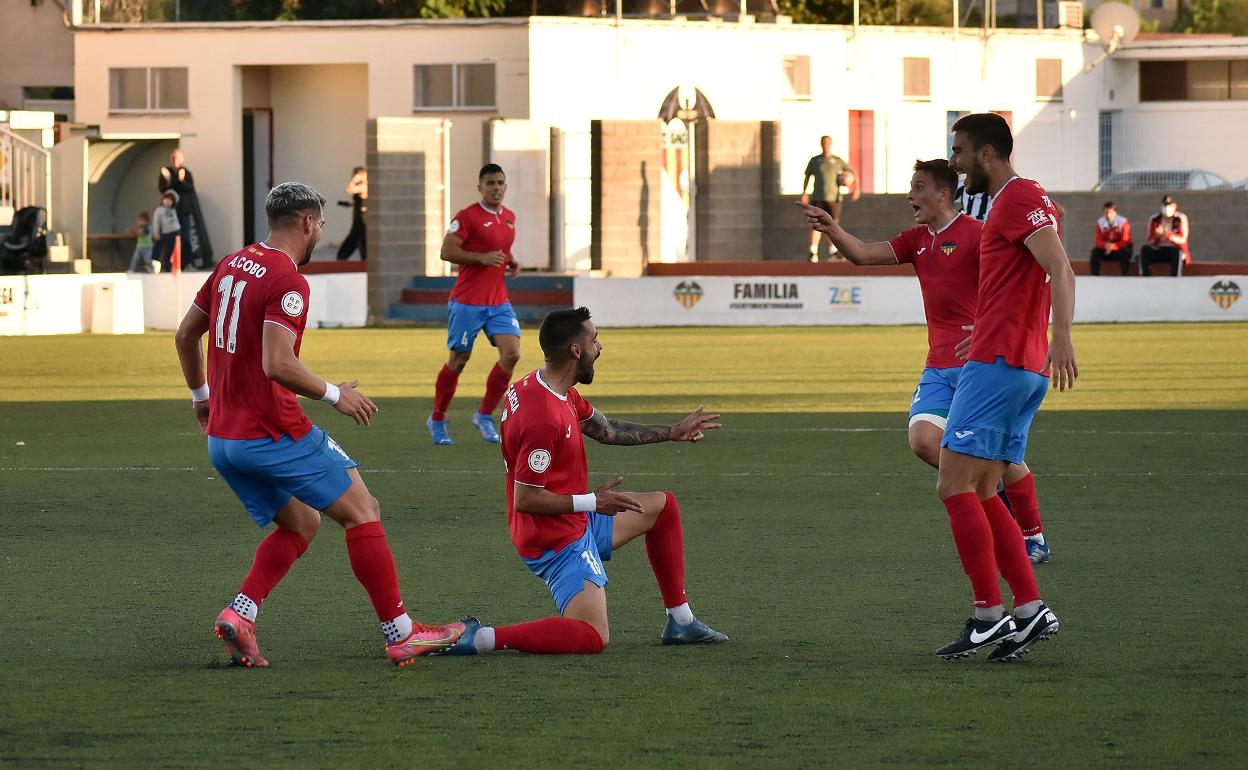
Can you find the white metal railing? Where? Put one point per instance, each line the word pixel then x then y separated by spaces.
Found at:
pixel 25 170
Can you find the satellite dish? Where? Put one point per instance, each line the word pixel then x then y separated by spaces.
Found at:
pixel 1116 24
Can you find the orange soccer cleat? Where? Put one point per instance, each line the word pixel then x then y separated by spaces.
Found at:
pixel 239 635
pixel 422 641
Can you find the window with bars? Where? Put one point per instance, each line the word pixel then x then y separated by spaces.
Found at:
pixel 454 87
pixel 148 89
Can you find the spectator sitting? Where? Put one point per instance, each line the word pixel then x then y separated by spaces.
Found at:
pixel 165 230
pixel 1113 240
pixel 1168 234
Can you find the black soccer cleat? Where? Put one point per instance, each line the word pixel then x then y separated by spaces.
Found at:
pixel 1042 625
pixel 977 634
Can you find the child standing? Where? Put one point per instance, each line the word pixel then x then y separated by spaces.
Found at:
pixel 141 262
pixel 165 229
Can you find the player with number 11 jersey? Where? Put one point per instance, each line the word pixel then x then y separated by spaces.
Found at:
pixel 284 470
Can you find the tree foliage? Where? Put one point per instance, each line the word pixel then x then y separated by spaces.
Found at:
pixel 1212 16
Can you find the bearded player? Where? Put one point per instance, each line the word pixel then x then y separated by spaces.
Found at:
pixel 285 470
pixel 1024 273
pixel 562 530
pixel 944 249
pixel 479 241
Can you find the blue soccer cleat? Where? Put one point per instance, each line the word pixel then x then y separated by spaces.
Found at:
pixel 485 424
pixel 1037 552
pixel 437 429
pixel 464 644
pixel 696 632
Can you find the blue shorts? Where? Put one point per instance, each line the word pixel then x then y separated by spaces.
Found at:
pixel 265 473
pixel 465 322
pixel 565 571
pixel 933 395
pixel 992 410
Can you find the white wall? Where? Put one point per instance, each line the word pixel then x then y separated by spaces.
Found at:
pixel 320 115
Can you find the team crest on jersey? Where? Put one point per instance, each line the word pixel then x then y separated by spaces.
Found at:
pixel 292 304
pixel 1225 293
pixel 948 247
pixel 688 294
pixel 511 224
pixel 539 460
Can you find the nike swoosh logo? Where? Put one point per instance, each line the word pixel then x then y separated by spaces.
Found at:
pixel 977 637
pixel 963 433
pixel 920 251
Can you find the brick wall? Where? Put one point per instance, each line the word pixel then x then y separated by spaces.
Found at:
pixel 406 220
pixel 625 160
pixel 731 176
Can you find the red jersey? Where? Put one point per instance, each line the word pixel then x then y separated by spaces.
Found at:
pixel 543 447
pixel 947 263
pixel 483 231
pixel 1013 315
pixel 250 288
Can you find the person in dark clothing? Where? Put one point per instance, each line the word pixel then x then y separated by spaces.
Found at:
pixel 196 248
pixel 1168 234
pixel 357 239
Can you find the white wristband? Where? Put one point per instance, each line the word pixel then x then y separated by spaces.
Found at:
pixel 200 393
pixel 331 393
pixel 584 503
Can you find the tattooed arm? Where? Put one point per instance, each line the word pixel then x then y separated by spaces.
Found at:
pixel 605 430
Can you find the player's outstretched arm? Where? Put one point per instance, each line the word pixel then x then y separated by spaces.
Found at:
pixel 1046 247
pixel 191 356
pixel 605 430
pixel 878 253
pixel 283 367
pixel 604 499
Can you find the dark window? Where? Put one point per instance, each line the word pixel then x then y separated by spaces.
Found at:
pixel 1163 81
pixel 454 86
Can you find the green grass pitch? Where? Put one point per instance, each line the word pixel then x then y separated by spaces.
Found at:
pixel 814 539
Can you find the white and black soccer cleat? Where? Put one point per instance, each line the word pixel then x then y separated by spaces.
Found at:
pixel 978 634
pixel 1040 626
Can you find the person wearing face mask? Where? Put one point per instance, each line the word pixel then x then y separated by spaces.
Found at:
pixel 1113 240
pixel 1168 234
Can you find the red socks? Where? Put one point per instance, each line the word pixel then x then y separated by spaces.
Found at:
pixel 665 545
pixel 495 385
pixel 1011 551
pixel 373 565
pixel 274 557
pixel 1022 494
pixel 973 538
pixel 549 636
pixel 444 391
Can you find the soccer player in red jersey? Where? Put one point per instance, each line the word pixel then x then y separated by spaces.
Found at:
pixel 1023 273
pixel 562 530
pixel 944 249
pixel 284 469
pixel 479 241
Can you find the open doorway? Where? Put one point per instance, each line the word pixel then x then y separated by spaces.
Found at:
pixel 257 170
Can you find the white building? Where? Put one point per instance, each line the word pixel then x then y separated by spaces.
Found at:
pixel 252 103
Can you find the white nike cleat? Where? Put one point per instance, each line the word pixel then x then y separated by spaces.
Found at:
pixel 977 634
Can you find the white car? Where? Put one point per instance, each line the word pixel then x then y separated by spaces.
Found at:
pixel 1162 180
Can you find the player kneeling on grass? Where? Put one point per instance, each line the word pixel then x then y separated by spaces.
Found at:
pixel 284 469
pixel 564 532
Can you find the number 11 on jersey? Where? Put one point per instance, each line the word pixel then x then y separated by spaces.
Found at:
pixel 224 289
